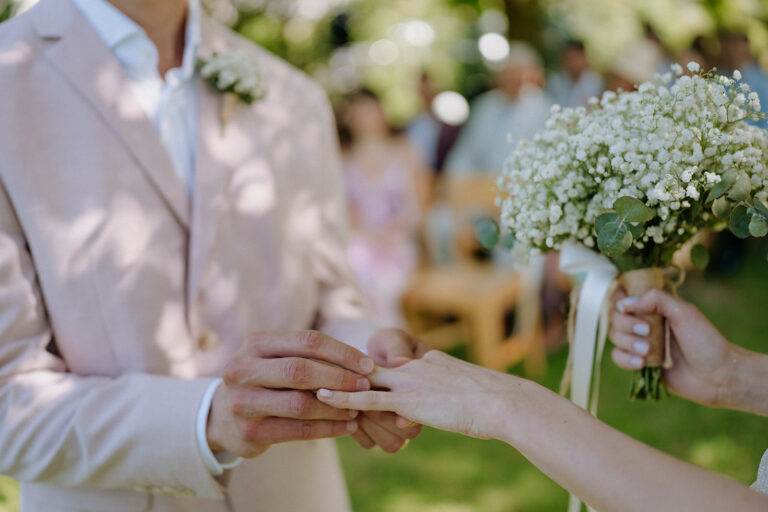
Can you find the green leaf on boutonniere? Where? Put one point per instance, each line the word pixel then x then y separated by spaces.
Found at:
pixel 739 222
pixel 632 209
pixel 726 180
pixel 699 256
pixel 637 229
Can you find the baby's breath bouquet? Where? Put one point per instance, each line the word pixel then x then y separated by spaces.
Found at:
pixel 637 175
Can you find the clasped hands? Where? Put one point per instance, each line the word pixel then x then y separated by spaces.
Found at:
pixel 268 393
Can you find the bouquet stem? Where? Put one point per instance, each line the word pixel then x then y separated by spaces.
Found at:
pixel 648 383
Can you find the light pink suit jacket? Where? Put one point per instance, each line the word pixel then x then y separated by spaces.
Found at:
pixel 120 297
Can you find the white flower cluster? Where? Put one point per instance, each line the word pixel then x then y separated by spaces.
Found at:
pixel 235 72
pixel 667 144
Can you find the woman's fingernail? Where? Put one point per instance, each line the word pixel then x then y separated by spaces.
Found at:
pixel 636 362
pixel 402 422
pixel 367 365
pixel 642 347
pixel 325 393
pixel 363 385
pixel 627 301
pixel 353 414
pixel 641 329
pixel 351 426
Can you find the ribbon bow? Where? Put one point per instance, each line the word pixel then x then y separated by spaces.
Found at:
pixel 591 327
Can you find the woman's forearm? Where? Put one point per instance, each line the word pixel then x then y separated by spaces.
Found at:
pixel 609 470
pixel 745 389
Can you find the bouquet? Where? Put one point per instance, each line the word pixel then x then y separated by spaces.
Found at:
pixel 635 176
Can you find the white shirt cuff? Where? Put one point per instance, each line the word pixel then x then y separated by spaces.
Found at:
pixel 216 463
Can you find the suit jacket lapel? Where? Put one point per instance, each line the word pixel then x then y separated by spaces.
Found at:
pixel 84 60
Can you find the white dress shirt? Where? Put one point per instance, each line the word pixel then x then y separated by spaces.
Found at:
pixel 171 103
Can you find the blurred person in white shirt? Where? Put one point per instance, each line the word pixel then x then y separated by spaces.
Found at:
pixel 577 82
pixel 516 109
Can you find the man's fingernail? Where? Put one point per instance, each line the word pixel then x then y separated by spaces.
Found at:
pixel 325 393
pixel 402 422
pixel 363 385
pixel 642 347
pixel 367 365
pixel 351 426
pixel 641 329
pixel 353 414
pixel 636 362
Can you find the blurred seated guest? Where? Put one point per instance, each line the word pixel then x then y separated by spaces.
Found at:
pixel 736 55
pixel 430 135
pixel 636 64
pixel 387 187
pixel 516 109
pixel 576 83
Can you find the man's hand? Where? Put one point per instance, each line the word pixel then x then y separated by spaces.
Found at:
pixel 389 348
pixel 267 395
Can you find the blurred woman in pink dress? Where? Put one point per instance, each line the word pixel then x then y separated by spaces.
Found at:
pixel 387 189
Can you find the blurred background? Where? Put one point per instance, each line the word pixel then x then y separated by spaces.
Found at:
pixel 431 96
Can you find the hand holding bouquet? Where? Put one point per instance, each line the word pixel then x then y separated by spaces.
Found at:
pixel 637 175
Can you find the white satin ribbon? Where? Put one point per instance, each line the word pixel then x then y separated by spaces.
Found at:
pixel 591 329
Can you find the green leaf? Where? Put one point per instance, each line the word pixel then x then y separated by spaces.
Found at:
pixel 614 239
pixel 721 207
pixel 699 256
pixel 760 207
pixel 487 232
pixel 508 241
pixel 633 210
pixel 604 219
pixel 758 226
pixel 739 221
pixel 637 229
pixel 726 180
pixel 693 212
pixel 741 188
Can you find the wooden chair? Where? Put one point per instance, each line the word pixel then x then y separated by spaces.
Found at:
pixel 471 301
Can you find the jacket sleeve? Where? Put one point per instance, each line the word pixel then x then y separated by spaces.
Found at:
pixel 342 312
pixel 134 432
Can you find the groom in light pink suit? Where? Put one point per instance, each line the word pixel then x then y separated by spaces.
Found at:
pixel 146 251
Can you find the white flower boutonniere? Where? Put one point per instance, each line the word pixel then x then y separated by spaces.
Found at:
pixel 237 77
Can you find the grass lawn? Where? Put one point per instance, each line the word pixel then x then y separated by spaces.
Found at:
pixel 442 472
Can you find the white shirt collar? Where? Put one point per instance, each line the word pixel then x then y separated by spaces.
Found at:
pixel 118 32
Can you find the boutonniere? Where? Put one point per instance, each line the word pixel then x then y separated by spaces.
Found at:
pixel 237 77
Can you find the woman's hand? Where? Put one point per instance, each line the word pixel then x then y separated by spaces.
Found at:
pixel 703 358
pixel 440 391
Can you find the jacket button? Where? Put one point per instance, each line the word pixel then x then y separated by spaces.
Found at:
pixel 209 340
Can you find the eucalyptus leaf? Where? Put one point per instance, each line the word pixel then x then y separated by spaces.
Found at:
pixel 699 256
pixel 741 188
pixel 508 241
pixel 721 207
pixel 614 239
pixel 760 207
pixel 739 222
pixel 758 226
pixel 487 232
pixel 632 209
pixel 726 180
pixel 604 219
pixel 637 229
